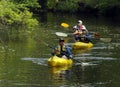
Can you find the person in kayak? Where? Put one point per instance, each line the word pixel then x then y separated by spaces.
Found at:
pixel 81 33
pixel 62 50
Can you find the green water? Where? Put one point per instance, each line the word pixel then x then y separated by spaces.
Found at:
pixel 23 56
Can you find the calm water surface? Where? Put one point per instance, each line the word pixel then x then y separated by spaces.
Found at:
pixel 23 56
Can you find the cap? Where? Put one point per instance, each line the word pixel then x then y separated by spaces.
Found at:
pixel 79 21
pixel 61 40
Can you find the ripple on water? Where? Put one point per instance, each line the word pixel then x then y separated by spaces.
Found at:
pixel 86 64
pixel 40 61
pixel 96 58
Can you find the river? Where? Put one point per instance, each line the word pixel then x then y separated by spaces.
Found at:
pixel 23 56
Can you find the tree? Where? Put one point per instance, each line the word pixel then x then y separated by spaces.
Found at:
pixel 16 14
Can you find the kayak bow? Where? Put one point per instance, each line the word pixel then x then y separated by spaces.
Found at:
pixel 57 61
pixel 82 45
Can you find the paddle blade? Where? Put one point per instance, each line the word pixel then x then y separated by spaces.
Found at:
pixel 106 39
pixel 65 25
pixel 61 34
pixel 96 35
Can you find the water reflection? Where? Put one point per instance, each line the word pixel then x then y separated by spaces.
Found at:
pixel 60 75
pixel 23 60
pixel 75 52
pixel 87 76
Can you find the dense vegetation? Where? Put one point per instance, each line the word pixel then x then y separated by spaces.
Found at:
pixel 19 12
pixel 14 14
pixel 98 6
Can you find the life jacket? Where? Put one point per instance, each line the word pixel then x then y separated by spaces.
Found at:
pixel 81 27
pixel 61 50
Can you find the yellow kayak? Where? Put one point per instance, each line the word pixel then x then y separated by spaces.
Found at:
pixel 57 61
pixel 82 45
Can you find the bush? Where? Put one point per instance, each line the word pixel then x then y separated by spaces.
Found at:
pixel 12 14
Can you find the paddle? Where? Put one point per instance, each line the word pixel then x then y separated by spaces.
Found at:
pixel 95 35
pixel 44 43
pixel 61 34
pixel 76 60
pixel 52 47
pixel 65 25
pixel 70 34
pixel 106 39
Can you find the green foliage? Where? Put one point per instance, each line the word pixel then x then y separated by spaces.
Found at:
pixel 64 5
pixel 51 4
pixel 10 14
pixel 74 5
pixel 68 5
pixel 102 4
pixel 28 3
pixel 30 22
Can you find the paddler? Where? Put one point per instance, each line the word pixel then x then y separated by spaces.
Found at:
pixel 62 50
pixel 81 33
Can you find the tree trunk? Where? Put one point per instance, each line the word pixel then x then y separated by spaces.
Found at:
pixel 43 4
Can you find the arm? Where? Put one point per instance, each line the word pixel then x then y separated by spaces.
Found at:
pixel 69 51
pixel 84 28
pixel 55 50
pixel 77 32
